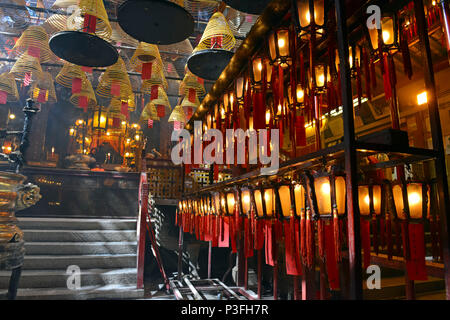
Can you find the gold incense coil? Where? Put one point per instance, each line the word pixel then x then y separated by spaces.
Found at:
pixel 202 8
pixel 162 99
pixel 115 112
pixel 64 3
pixel 177 115
pixel 190 81
pixel 117 103
pixel 149 112
pixel 94 8
pixel 87 91
pixel 34 36
pixel 217 27
pixel 44 82
pixel 144 53
pixel 186 103
pixel 183 47
pixel 68 72
pixel 26 64
pixel 119 36
pixel 8 85
pixel 55 23
pixel 156 78
pixel 115 73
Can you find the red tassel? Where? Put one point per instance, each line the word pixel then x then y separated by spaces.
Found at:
pixel 224 239
pixel 233 235
pixel 309 240
pixel 3 97
pixel 124 109
pixel 337 242
pixel 321 238
pixel 269 243
pixel 416 264
pixel 367 73
pixel 42 96
pixel 406 56
pixel 303 250
pixel 373 75
pixel 331 261
pixel 374 234
pixel 291 264
pixel 365 240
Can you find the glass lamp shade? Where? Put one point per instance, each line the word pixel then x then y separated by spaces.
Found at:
pixel 230 202
pixel 418 204
pixel 320 76
pixel 279 47
pixel 240 84
pixel 354 56
pixel 300 94
pixel 99 119
pixel 323 194
pixel 268 71
pixel 216 200
pixel 245 198
pixel 299 194
pixel 364 200
pixel 258 202
pixel 387 30
pixel 285 199
pixel 269 200
pixel 257 68
pixel 339 186
pixel 373 34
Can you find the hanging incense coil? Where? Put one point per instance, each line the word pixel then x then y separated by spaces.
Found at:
pixel 183 47
pixel 96 8
pixel 145 53
pixel 177 115
pixel 86 91
pixel 201 8
pixel 26 64
pixel 149 112
pixel 217 32
pixel 157 78
pixel 16 19
pixel 187 103
pixel 55 23
pixel 68 72
pixel 64 3
pixel 115 119
pixel 9 86
pixel 34 41
pixel 118 35
pixel 44 86
pixel 162 98
pixel 113 77
pixel 191 81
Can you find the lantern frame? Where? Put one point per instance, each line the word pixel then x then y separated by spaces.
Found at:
pixel 97 115
pixel 334 203
pixel 381 46
pixel 240 88
pixel 305 32
pixel 275 56
pixel 370 193
pixel 406 214
pixel 256 61
pixel 322 88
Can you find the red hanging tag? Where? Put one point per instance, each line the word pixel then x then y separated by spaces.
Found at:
pixel 115 89
pixel 192 95
pixel 3 97
pixel 216 172
pixel 34 51
pixel 224 240
pixel 154 92
pixel 76 85
pixel 124 109
pixel 86 69
pixel 150 123
pixel 416 265
pixel 116 122
pixel 161 111
pixel 365 241
pixel 216 42
pixel 42 96
pixel 90 23
pixel 27 79
pixel 83 102
pixel 146 70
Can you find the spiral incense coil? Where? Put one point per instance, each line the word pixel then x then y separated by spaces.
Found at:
pixel 118 35
pixel 94 8
pixel 218 30
pixel 117 73
pixel 162 99
pixel 116 103
pixel 86 91
pixel 8 85
pixel 190 81
pixel 34 41
pixel 115 120
pixel 156 78
pixel 201 8
pixel 55 23
pixel 26 64
pixel 64 3
pixel 44 82
pixel 145 52
pixel 187 103
pixel 183 47
pixel 149 112
pixel 68 72
pixel 177 115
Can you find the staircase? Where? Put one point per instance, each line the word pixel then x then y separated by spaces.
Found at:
pixel 103 249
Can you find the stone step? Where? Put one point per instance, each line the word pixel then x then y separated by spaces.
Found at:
pixel 84 293
pixel 79 248
pixel 58 278
pixel 42 235
pixel 100 261
pixel 76 224
pixel 394 288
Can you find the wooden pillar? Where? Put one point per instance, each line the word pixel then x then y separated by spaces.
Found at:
pixel 436 133
pixel 354 238
pixel 36 149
